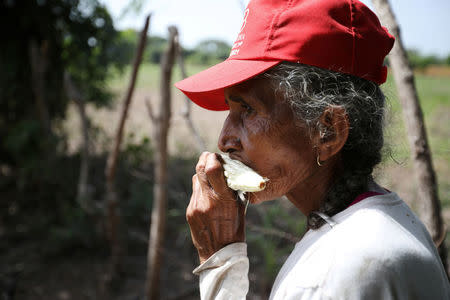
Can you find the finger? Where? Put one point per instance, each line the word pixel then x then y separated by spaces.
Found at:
pixel 196 203
pixel 196 192
pixel 190 207
pixel 215 176
pixel 202 199
pixel 194 182
pixel 189 211
pixel 200 167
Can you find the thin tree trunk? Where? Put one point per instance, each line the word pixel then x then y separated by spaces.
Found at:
pixel 161 129
pixel 39 62
pixel 186 112
pixel 83 194
pixel 430 207
pixel 113 216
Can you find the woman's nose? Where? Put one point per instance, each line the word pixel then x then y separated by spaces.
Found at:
pixel 229 141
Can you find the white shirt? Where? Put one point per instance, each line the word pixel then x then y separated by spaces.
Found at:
pixel 378 249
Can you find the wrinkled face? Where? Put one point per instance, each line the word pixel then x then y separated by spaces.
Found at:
pixel 260 131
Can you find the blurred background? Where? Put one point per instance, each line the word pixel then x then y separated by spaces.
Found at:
pixel 65 68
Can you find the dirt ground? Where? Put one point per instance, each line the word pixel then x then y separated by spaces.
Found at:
pixel 81 275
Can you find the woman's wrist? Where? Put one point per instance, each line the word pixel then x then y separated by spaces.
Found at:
pixel 205 253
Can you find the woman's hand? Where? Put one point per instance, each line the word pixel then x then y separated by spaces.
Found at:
pixel 215 217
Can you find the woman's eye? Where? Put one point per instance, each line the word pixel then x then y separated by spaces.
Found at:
pixel 247 108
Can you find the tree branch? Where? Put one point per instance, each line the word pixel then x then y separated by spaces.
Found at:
pixel 186 111
pixel 273 232
pixel 150 113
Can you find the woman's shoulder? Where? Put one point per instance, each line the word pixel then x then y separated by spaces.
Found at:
pixel 382 247
pixel 382 229
pixel 380 222
pixel 377 250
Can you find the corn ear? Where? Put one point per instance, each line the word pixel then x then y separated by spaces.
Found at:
pixel 242 178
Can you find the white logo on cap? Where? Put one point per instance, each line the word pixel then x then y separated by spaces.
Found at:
pixel 240 39
pixel 247 11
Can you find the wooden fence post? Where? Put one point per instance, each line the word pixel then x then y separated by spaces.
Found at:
pixel 113 217
pixel 161 128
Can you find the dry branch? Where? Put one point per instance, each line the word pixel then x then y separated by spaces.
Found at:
pixel 83 192
pixel 39 64
pixel 430 208
pixel 273 232
pixel 113 219
pixel 150 113
pixel 186 112
pixel 161 129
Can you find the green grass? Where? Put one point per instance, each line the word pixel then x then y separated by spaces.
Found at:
pixel 148 76
pixel 434 96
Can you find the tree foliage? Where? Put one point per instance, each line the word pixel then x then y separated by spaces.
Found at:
pixel 420 62
pixel 209 51
pixel 128 40
pixel 41 40
pixel 126 45
pixel 69 35
pixel 155 48
pixel 206 52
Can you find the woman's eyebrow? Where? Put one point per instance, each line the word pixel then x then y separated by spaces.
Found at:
pixel 235 99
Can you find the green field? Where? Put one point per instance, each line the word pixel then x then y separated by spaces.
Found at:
pixel 148 76
pixel 434 93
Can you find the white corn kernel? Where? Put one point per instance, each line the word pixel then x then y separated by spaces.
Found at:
pixel 242 178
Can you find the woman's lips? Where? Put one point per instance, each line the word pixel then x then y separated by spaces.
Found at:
pixel 237 157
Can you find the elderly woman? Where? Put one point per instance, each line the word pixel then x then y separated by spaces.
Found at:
pixel 306 111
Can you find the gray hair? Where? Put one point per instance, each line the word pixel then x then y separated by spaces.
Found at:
pixel 310 90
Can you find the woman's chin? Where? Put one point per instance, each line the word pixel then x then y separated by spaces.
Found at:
pixel 259 197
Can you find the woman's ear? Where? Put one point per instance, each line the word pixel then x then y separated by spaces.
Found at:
pixel 334 128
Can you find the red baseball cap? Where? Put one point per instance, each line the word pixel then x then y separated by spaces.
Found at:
pixel 338 35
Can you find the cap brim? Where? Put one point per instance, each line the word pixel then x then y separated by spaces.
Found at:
pixel 206 88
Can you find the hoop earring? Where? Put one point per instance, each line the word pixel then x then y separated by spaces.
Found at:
pixel 318 161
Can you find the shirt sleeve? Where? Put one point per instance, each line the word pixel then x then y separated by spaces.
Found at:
pixel 225 274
